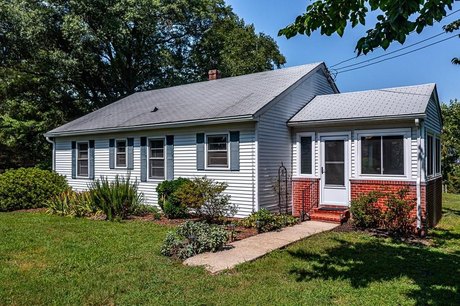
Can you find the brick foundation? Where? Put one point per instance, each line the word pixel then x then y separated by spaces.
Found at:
pixel 306 188
pixel 305 191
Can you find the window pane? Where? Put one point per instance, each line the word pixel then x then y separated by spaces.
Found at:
pixel 305 155
pixel 121 146
pixel 335 174
pixel 429 154
pixel 121 160
pixel 157 153
pixel 371 155
pixel 157 144
pixel 393 155
pixel 438 156
pixel 157 168
pixel 157 148
pixel 334 150
pixel 82 168
pixel 82 151
pixel 217 159
pixel 217 142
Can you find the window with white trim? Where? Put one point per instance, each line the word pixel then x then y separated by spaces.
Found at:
pixel 156 158
pixel 433 155
pixel 82 159
pixel 120 153
pixel 217 151
pixel 305 158
pixel 382 155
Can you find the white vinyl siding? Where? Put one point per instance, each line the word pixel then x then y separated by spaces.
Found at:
pixel 240 183
pixel 274 137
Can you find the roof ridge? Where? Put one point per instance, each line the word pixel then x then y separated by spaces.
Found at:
pixel 381 89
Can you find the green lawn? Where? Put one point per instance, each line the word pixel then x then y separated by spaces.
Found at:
pixel 57 260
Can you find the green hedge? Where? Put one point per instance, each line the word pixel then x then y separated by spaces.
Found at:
pixel 26 188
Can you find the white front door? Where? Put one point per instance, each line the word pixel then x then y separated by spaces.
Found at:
pixel 334 170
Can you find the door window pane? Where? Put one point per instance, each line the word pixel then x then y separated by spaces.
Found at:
pixel 305 155
pixel 335 174
pixel 334 150
pixel 371 155
pixel 393 154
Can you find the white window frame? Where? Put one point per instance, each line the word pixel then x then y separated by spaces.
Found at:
pixel 207 167
pixel 77 159
pixel 405 132
pixel 149 139
pixel 313 154
pixel 116 153
pixel 433 150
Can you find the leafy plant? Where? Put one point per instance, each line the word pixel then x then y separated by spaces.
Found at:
pixel 193 238
pixel 116 198
pixel 397 215
pixel 71 203
pixel 26 188
pixel 166 188
pixel 365 211
pixel 207 197
pixel 265 221
pixel 172 207
pixel 143 210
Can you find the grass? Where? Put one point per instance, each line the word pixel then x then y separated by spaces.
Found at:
pixel 56 260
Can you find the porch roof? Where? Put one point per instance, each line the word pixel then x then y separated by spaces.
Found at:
pixel 381 104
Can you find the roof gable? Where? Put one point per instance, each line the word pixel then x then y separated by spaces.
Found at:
pixel 233 97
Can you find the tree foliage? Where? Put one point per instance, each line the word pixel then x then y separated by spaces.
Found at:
pixel 60 59
pixel 395 20
pixel 451 145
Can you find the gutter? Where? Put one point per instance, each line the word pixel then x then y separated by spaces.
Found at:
pixel 354 120
pixel 420 129
pixel 178 124
pixel 53 161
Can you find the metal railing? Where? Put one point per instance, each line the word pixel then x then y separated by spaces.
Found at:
pixel 305 213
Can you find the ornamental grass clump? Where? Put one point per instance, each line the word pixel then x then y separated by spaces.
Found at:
pixel 116 198
pixel 193 238
pixel 72 204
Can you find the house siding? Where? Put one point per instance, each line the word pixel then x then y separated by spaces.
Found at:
pixel 240 183
pixel 274 137
pixel 433 121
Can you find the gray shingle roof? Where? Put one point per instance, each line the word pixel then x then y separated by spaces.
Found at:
pixel 395 102
pixel 224 98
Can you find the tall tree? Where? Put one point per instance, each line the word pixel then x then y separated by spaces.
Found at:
pixel 395 21
pixel 60 59
pixel 451 145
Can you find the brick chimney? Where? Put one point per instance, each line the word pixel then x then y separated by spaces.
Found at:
pixel 214 74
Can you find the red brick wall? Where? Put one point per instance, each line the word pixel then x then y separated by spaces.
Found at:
pixel 311 188
pixel 434 201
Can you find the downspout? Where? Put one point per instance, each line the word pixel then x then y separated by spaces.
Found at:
pixel 419 174
pixel 51 141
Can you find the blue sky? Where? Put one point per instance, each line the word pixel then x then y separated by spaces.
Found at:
pixel 425 66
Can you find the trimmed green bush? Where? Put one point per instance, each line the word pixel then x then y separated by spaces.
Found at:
pixel 172 207
pixel 207 198
pixel 26 188
pixel 72 204
pixel 193 238
pixel 266 221
pixel 116 198
pixel 365 212
pixel 397 215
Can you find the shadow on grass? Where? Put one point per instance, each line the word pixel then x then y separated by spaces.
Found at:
pixel 447 211
pixel 436 274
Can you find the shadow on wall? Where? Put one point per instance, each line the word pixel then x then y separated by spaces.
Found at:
pixel 436 274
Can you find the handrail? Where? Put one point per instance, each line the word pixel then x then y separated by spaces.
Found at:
pixel 305 213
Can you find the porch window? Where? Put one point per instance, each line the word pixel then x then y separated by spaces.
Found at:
pixel 433 155
pixel 217 151
pixel 305 155
pixel 438 155
pixel 121 154
pixel 382 155
pixel 82 159
pixel 157 159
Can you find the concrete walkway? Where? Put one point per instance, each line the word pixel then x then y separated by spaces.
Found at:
pixel 256 246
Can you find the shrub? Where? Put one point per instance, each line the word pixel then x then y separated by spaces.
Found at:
pixel 397 219
pixel 265 221
pixel 26 188
pixel 169 203
pixel 71 203
pixel 365 212
pixel 166 188
pixel 193 238
pixel 143 210
pixel 207 198
pixel 116 198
